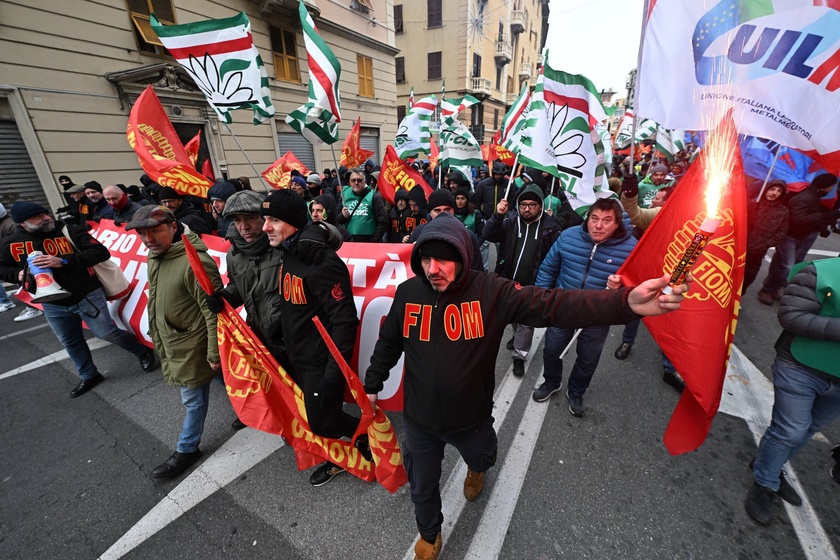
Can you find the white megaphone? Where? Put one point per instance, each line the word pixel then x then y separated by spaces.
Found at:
pixel 46 288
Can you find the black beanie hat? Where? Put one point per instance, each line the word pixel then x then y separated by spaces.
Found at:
pixel 439 249
pixel 23 210
pixel 93 185
pixel 168 193
pixel 441 197
pixel 824 181
pixel 286 205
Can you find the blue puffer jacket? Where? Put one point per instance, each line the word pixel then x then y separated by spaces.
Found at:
pixel 574 261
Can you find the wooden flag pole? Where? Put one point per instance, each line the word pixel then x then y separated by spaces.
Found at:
pixel 251 163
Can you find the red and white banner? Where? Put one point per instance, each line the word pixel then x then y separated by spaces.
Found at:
pixel 374 278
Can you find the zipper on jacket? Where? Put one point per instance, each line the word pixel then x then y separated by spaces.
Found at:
pixel 588 265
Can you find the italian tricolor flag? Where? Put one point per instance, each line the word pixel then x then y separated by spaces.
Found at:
pixel 514 121
pixel 221 57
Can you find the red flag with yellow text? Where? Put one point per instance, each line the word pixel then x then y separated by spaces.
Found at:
pixel 159 150
pixel 395 174
pixel 352 155
pixel 279 174
pixel 697 339
pixel 265 397
pixel 497 151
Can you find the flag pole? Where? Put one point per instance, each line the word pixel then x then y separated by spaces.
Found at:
pixel 646 9
pixel 769 172
pixel 440 131
pixel 512 170
pixel 257 173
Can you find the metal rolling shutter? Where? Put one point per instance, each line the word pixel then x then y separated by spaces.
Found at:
pixel 298 145
pixel 18 180
pixel 369 140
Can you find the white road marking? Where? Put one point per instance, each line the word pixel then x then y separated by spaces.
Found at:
pixel 238 454
pixel 748 394
pixel 93 344
pixel 452 497
pixel 24 331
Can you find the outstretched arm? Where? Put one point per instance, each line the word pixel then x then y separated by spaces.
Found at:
pixel 647 298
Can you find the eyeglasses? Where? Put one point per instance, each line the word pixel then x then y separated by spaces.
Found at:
pixel 528 204
pixel 357 180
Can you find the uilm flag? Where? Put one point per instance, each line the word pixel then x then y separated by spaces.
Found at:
pixel 159 150
pixel 697 338
pixel 265 397
pixel 220 56
pixel 352 155
pixel 279 173
pixel 395 174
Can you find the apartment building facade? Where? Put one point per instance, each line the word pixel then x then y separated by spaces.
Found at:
pixel 485 48
pixel 70 72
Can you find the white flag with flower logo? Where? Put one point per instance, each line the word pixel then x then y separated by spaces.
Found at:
pixel 560 135
pixel 221 58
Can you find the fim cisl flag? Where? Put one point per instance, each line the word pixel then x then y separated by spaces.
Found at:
pixel 220 56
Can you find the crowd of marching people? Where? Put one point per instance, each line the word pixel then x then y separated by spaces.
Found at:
pixel 540 243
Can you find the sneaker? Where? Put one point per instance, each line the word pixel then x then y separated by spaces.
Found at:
pixel 766 298
pixel 575 405
pixel 28 313
pixel 674 379
pixel 509 344
pixel 324 474
pixel 518 367
pixel 424 550
pixel 759 503
pixel 148 361
pixel 544 392
pixel 473 485
pixel 786 491
pixel 623 351
pixel 6 306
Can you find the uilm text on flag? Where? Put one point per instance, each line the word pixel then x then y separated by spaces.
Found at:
pixel 220 56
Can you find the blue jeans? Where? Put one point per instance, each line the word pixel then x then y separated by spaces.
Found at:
pixel 804 404
pixel 590 343
pixel 789 251
pixel 3 297
pixel 66 322
pixel 196 401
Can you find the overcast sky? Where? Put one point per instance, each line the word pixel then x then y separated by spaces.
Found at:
pixel 596 38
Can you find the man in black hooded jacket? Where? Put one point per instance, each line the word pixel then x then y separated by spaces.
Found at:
pixel 449 321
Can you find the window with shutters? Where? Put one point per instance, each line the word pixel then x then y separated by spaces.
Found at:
pixel 362 6
pixel 400 63
pixel 284 51
pixel 139 12
pixel 434 14
pixel 433 63
pixel 365 68
pixel 398 19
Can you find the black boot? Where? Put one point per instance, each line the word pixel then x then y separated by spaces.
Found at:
pixel 176 464
pixel 759 503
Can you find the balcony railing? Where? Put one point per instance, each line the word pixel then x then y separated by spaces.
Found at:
pixel 510 98
pixel 517 21
pixel 481 86
pixel 477 130
pixel 504 50
pixel 525 70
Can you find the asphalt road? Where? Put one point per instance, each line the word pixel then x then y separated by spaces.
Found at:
pixel 75 472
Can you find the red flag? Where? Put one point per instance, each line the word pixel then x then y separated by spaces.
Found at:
pixel 265 397
pixel 279 173
pixel 192 147
pixel 395 173
pixel 697 338
pixel 434 156
pixel 207 170
pixel 161 154
pixel 500 152
pixel 352 155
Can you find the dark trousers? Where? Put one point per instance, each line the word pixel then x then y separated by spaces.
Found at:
pixel 590 343
pixel 324 402
pixel 752 266
pixel 423 455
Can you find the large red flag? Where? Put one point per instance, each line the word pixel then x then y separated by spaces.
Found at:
pixel 265 397
pixel 697 338
pixel 159 150
pixel 279 173
pixel 352 155
pixel 395 173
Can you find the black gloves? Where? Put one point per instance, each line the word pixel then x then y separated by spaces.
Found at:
pixel 630 186
pixel 314 239
pixel 215 301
